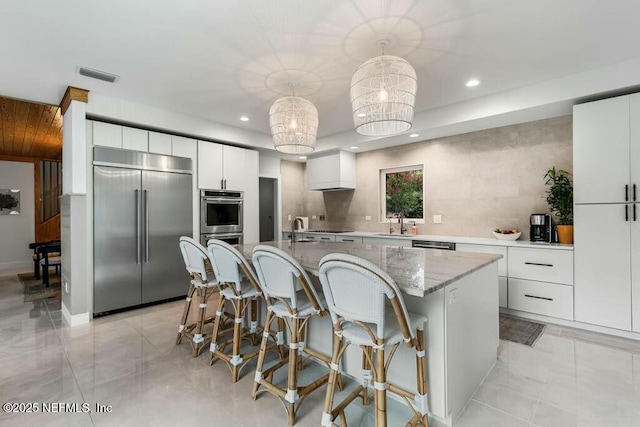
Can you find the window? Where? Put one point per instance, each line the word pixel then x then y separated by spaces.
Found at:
pixel 402 193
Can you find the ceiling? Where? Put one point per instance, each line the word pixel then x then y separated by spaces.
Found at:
pixel 219 60
pixel 30 130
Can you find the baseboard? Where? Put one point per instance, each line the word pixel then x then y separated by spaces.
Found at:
pixel 573 324
pixel 74 319
pixel 15 265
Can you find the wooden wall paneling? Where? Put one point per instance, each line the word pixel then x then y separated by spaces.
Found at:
pixel 7 109
pixel 20 126
pixel 43 128
pixel 35 112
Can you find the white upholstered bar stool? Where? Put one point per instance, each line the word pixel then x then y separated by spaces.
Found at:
pixel 203 285
pixel 367 310
pixel 292 300
pixel 239 287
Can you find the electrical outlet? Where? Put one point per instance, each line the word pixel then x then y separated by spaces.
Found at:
pixel 314 217
pixel 367 218
pixel 437 219
pixel 289 218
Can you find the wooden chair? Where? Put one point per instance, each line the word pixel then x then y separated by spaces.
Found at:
pixel 203 285
pixel 292 300
pixel 367 310
pixel 238 287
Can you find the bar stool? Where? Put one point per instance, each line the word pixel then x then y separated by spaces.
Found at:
pixel 357 293
pixel 239 287
pixel 292 300
pixel 204 286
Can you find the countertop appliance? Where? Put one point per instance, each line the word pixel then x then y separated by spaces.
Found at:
pixel 428 244
pixel 142 204
pixel 540 230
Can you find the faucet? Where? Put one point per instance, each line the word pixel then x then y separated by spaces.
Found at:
pixel 402 229
pixel 293 228
pixel 390 226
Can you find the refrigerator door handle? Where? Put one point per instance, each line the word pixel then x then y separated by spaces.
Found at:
pixel 146 226
pixel 138 226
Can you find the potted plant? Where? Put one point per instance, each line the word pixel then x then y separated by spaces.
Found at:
pixel 560 200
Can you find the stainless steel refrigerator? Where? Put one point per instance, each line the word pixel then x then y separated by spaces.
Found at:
pixel 142 204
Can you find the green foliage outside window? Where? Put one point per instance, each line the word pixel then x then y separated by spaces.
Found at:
pixel 404 193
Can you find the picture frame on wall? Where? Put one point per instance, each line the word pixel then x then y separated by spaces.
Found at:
pixel 9 201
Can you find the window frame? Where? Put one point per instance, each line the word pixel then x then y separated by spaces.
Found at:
pixel 382 194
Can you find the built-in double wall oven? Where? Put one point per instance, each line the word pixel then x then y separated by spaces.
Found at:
pixel 221 214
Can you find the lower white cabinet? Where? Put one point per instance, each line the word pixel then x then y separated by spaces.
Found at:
pixel 502 265
pixel 348 239
pixel 545 265
pixel 547 299
pixel 406 243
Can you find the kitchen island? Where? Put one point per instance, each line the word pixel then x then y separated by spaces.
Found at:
pixel 457 291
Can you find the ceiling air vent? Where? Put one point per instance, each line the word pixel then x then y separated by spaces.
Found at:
pixel 100 75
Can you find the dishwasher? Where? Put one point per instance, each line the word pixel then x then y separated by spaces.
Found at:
pixel 428 244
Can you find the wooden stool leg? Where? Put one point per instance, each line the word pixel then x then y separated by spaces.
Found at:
pixel 331 385
pixel 380 395
pixel 185 313
pixel 198 339
pixel 236 359
pixel 216 330
pixel 261 355
pixel 254 322
pixel 292 385
pixel 366 374
pixel 422 377
pixel 280 338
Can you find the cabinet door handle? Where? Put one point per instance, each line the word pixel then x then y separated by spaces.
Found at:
pixel 626 212
pixel 538 264
pixel 634 192
pixel 348 240
pixel 533 296
pixel 325 238
pixel 634 212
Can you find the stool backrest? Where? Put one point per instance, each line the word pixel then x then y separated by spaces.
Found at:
pixel 357 290
pixel 281 276
pixel 229 265
pixel 195 257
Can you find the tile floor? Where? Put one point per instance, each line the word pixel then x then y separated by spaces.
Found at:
pixel 129 361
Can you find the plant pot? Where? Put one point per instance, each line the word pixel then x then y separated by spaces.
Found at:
pixel 565 234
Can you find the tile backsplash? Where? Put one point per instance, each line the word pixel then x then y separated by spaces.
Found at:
pixel 476 181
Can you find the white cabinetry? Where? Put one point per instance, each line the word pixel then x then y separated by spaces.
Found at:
pixel 233 168
pixel 607 140
pixel 541 281
pixel 107 135
pixel 502 266
pixel 160 143
pixel 348 239
pixel 403 242
pixel 135 139
pixel 332 171
pixel 185 147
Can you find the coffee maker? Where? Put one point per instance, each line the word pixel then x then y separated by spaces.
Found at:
pixel 541 228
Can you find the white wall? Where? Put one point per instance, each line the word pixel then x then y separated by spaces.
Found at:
pixel 17 231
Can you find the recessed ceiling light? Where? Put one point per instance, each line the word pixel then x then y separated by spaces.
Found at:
pixel 414 135
pixel 302 157
pixel 354 147
pixel 473 83
pixel 362 115
pixel 244 118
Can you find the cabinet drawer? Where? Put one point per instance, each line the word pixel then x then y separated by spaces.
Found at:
pixel 548 299
pixel 545 265
pixel 487 249
pixel 349 239
pixel 321 237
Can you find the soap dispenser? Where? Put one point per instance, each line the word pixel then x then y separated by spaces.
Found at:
pixel 414 228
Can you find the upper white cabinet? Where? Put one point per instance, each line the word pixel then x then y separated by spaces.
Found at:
pixel 602 142
pixel 332 171
pixel 160 143
pixel 107 135
pixel 135 139
pixel 232 168
pixel 185 147
pixel 606 162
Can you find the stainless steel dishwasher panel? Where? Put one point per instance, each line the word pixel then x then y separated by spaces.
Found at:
pixel 428 244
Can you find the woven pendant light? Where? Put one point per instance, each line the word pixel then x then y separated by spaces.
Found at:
pixel 294 125
pixel 383 95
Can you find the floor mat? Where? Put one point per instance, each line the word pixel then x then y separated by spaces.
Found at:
pixel 35 291
pixel 520 330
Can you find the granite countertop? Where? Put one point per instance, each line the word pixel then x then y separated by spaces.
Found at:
pixel 416 271
pixel 454 239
